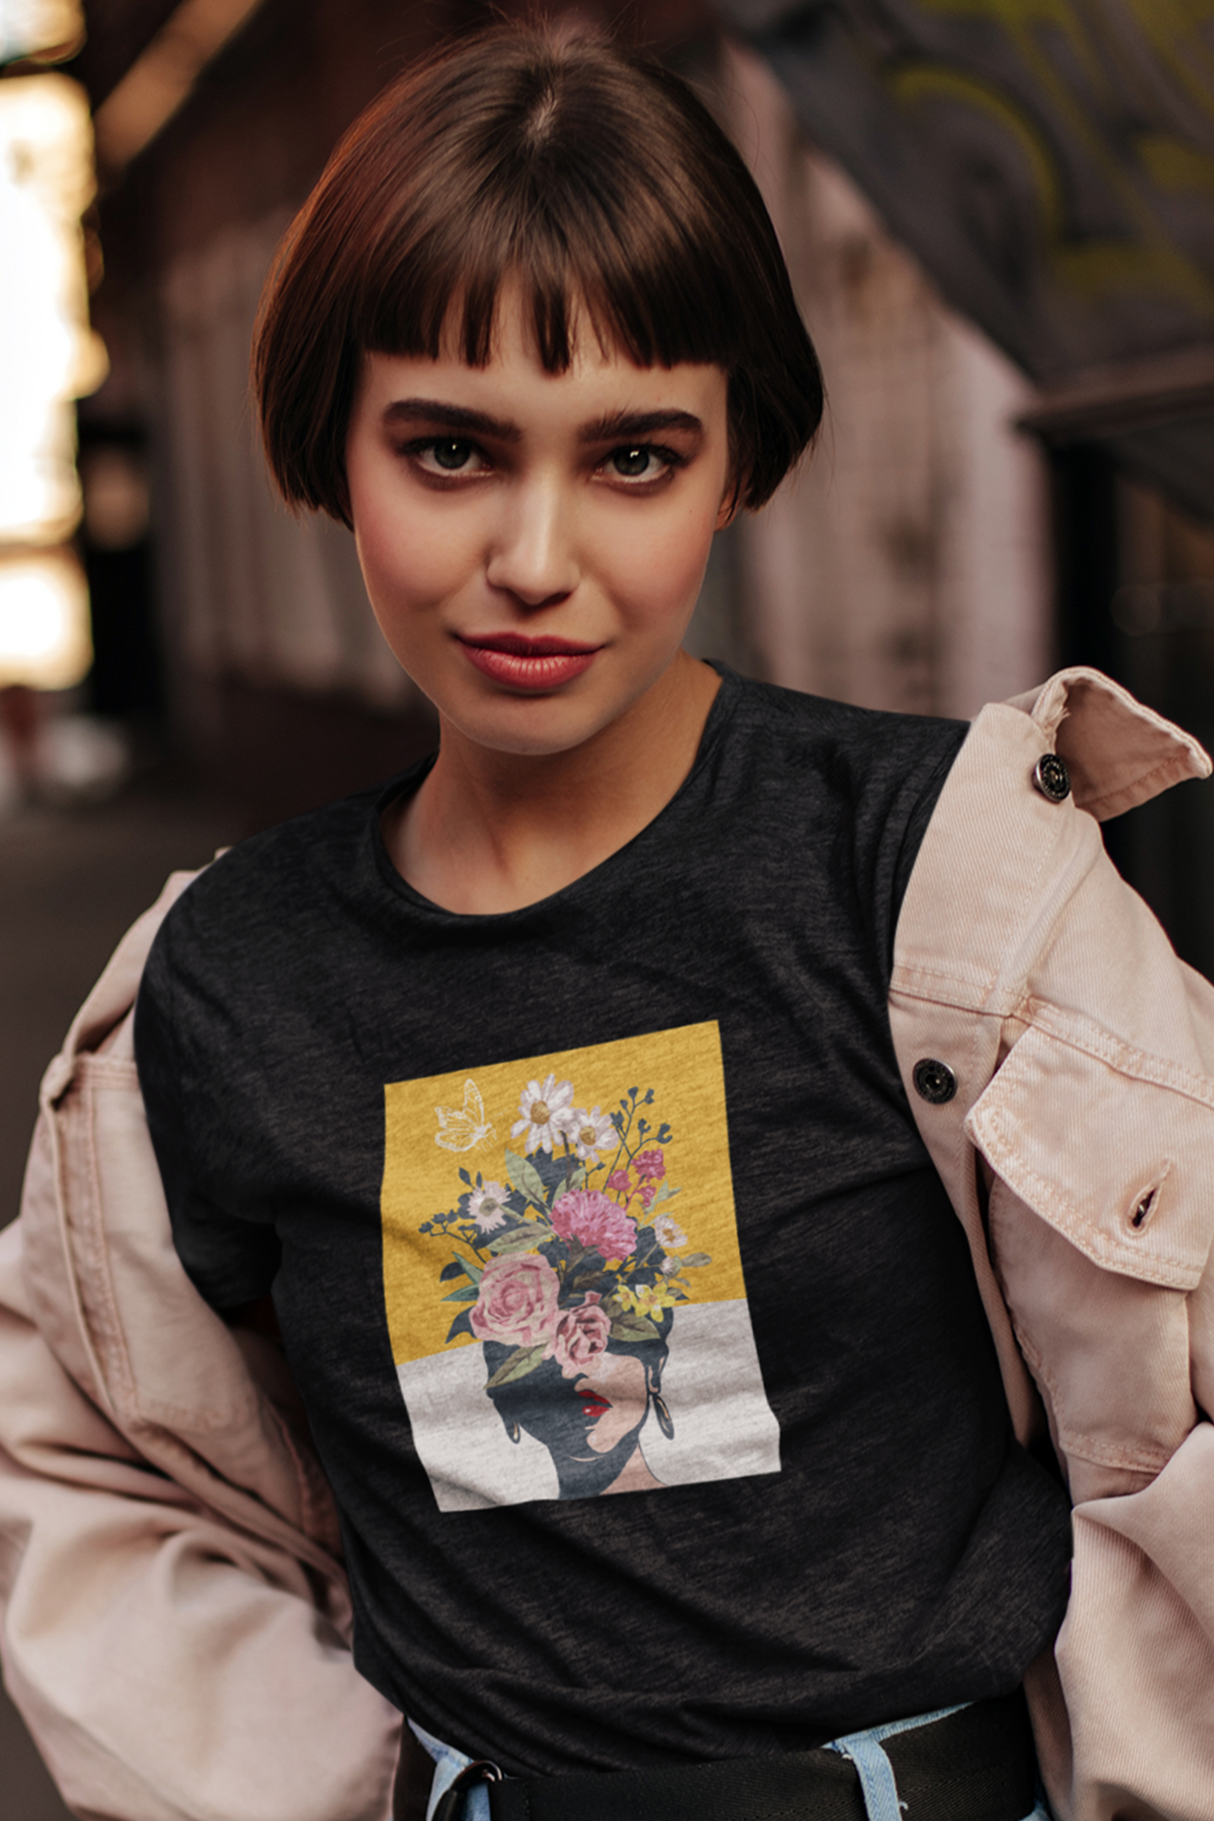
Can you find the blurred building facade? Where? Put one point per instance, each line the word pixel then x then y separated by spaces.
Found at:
pixel 884 574
pixel 932 555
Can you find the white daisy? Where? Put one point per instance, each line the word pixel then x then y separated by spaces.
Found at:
pixel 668 1232
pixel 591 1132
pixel 544 1113
pixel 485 1205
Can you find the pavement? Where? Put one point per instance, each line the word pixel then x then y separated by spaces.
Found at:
pixel 70 883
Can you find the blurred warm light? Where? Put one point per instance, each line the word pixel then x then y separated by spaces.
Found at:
pixel 46 29
pixel 156 85
pixel 117 502
pixel 44 620
pixel 48 354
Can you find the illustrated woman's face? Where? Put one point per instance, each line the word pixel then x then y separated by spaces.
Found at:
pixel 613 1399
pixel 533 543
pixel 585 1421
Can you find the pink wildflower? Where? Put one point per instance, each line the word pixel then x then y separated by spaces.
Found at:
pixel 651 1165
pixel 619 1181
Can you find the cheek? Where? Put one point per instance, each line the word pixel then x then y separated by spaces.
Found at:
pixel 658 566
pixel 408 562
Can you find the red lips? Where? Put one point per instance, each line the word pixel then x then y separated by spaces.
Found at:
pixel 529 664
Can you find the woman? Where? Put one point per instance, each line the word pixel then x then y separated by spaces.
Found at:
pixel 533 339
pixel 430 1065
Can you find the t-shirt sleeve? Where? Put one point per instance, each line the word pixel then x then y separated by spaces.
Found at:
pixel 940 762
pixel 905 776
pixel 230 1252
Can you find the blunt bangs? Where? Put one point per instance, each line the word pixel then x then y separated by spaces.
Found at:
pixel 589 176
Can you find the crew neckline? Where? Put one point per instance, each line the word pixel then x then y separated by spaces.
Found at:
pixel 723 705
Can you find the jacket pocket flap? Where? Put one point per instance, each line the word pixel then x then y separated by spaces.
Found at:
pixel 1118 1161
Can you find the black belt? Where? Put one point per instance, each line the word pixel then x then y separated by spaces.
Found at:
pixel 975 1765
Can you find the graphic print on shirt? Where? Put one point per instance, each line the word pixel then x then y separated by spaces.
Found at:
pixel 562 1275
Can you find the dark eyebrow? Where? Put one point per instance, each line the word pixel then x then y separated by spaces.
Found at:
pixel 451 417
pixel 627 425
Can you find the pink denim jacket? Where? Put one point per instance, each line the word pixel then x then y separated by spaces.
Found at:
pixel 177 1624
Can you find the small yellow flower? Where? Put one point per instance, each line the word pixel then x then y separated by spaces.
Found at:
pixel 650 1299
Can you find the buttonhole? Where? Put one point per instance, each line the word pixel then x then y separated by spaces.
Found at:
pixel 1142 1212
pixel 1144 1204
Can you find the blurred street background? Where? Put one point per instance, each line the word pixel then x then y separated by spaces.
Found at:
pixel 1000 224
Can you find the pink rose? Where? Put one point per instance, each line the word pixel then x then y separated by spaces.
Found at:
pixel 651 1165
pixel 581 1335
pixel 593 1218
pixel 517 1302
pixel 618 1180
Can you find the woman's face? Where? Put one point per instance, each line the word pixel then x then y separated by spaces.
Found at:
pixel 533 543
pixel 580 1418
pixel 613 1399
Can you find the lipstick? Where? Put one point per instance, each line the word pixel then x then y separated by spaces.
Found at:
pixel 525 663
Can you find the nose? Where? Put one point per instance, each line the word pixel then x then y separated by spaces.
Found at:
pixel 532 554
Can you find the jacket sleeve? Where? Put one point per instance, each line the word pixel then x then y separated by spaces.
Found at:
pixel 1077 1143
pixel 174 1622
pixel 169 1666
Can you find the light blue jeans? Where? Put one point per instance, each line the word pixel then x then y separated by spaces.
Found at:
pixel 874 1769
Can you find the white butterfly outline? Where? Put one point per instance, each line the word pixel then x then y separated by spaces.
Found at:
pixel 463 1131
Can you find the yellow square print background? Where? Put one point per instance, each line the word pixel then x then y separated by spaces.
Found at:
pixel 421 1177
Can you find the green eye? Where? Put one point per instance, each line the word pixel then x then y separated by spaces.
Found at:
pixel 451 454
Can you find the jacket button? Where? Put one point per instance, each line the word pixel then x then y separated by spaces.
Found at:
pixel 934 1081
pixel 1051 777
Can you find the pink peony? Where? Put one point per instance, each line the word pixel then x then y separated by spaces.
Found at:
pixel 651 1165
pixel 618 1180
pixel 581 1335
pixel 648 1191
pixel 517 1302
pixel 593 1218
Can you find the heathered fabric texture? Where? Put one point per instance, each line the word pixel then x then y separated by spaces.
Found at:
pixel 908 1555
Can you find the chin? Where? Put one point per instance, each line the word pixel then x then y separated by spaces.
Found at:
pixel 539 727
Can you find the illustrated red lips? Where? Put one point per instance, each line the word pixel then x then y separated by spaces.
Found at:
pixel 594 1405
pixel 529 664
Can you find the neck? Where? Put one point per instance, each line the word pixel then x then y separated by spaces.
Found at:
pixel 624 1469
pixel 492 831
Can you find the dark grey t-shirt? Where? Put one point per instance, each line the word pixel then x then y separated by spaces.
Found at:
pixel 616 1194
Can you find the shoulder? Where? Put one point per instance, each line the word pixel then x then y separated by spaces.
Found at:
pixel 866 752
pixel 265 903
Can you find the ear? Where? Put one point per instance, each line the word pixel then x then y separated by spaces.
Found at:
pixel 731 504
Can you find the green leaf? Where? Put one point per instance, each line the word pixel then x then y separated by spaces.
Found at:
pixel 469 1267
pixel 527 1180
pixel 522 1361
pixel 633 1328
pixel 467 1294
pixel 528 1238
pixel 665 1193
pixel 695 1259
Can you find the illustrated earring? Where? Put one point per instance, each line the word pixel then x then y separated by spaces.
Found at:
pixel 665 1420
pixel 514 1432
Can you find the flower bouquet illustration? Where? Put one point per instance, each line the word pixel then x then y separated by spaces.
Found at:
pixel 569 1272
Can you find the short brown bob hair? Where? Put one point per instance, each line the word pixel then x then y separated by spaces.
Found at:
pixel 586 171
